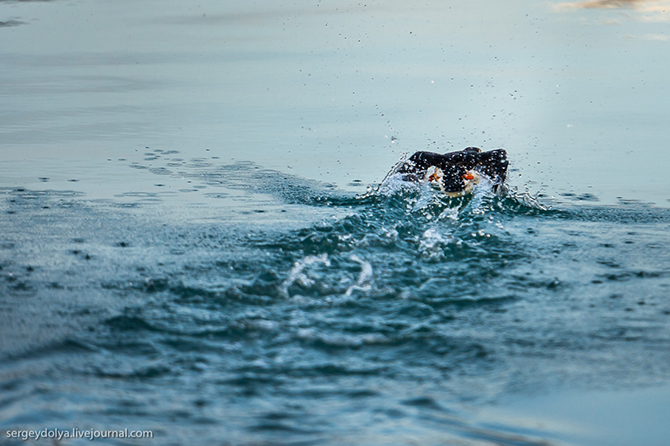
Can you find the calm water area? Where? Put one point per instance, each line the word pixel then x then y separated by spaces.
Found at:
pixel 198 237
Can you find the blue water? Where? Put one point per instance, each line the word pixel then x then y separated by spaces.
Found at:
pixel 198 237
pixel 381 322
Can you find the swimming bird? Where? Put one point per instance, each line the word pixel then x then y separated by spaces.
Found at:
pixel 456 173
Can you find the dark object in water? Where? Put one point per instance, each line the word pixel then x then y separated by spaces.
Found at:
pixel 457 172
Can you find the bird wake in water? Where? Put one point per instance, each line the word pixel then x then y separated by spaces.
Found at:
pixel 405 306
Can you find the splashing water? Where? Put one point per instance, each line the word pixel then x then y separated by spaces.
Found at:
pixel 296 274
pixel 401 304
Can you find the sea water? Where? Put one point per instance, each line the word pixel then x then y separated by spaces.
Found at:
pixel 198 237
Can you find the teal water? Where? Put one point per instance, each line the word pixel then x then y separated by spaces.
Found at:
pixel 388 320
pixel 194 239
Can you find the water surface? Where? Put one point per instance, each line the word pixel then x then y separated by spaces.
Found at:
pixel 189 243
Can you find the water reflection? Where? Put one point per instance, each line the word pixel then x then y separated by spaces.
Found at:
pixel 661 7
pixel 620 11
pixel 7 23
pixel 612 4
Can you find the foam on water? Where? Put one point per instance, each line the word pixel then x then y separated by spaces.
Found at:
pixel 296 274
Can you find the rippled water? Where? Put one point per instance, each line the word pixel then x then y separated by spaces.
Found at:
pixel 387 319
pixel 194 240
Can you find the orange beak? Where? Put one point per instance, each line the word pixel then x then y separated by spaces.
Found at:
pixel 468 176
pixel 433 177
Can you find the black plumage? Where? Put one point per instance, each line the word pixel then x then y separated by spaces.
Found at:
pixel 455 166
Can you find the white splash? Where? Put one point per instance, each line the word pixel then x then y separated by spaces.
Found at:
pixel 483 189
pixel 296 275
pixel 394 184
pixel 364 277
pixel 431 243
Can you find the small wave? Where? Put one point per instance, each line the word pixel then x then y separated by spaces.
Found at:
pixel 340 340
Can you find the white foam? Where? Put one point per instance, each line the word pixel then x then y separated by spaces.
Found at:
pixel 394 184
pixel 364 277
pixel 296 274
pixel 431 243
